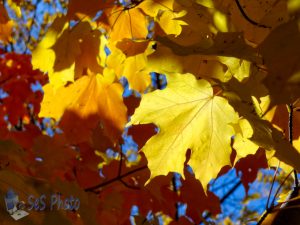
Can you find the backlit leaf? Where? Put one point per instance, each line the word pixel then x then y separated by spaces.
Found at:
pixel 189 116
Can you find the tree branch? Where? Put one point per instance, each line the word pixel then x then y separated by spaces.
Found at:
pixel 270 209
pixel 175 189
pixel 230 192
pixel 118 178
pixel 291 114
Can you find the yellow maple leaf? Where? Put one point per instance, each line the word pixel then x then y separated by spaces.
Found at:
pixel 170 23
pixel 189 116
pixel 43 57
pixel 130 23
pixel 153 7
pixel 242 144
pixel 65 53
pixel 89 95
pixel 163 13
pixel 132 67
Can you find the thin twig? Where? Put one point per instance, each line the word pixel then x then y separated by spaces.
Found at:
pixel 120 172
pixel 103 184
pixel 280 186
pixel 272 185
pixel 229 193
pixel 248 18
pixel 271 208
pixel 291 114
pixel 175 189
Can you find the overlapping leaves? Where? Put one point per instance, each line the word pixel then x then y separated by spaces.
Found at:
pixel 226 76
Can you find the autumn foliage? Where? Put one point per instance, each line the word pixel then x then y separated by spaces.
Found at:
pixel 144 102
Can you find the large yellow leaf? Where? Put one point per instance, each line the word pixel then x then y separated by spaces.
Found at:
pixel 88 96
pixel 189 116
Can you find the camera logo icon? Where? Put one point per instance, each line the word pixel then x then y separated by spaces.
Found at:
pixel 13 206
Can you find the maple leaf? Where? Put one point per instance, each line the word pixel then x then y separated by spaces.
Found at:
pixel 248 49
pixel 262 134
pixel 249 169
pixel 126 23
pixel 16 79
pixel 131 102
pixel 89 96
pixel 65 53
pixel 198 21
pixel 196 205
pixel 141 133
pixel 132 48
pixel 133 67
pixel 189 116
pixel 169 22
pixel 153 7
pixel 264 15
pixel 231 44
pixel 270 139
pixel 242 143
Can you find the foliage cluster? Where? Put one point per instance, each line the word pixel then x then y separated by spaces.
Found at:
pixel 199 86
